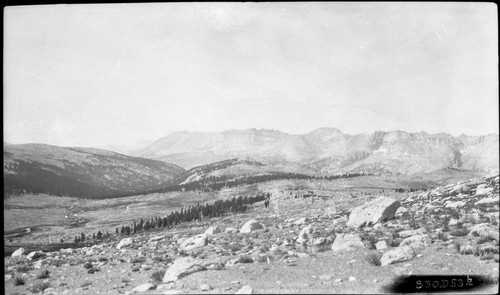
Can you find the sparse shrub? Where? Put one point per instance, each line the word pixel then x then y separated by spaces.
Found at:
pixel 88 265
pixel 394 242
pixel 138 260
pixel 85 284
pixel 466 250
pixel 374 258
pixel 493 220
pixel 102 259
pixel 369 241
pixel 486 257
pixel 24 268
pixel 459 232
pixel 485 239
pixel 157 276
pixel 477 251
pixel 457 246
pixel 39 286
pixel 442 236
pixel 43 274
pixel 245 259
pixel 57 262
pixel 18 280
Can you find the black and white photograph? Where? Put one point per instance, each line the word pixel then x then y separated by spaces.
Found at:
pixel 251 148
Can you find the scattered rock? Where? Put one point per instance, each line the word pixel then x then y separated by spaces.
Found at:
pixel 245 290
pixel 305 234
pixel 18 253
pixel 143 288
pixel 495 200
pixel 251 226
pixel 194 242
pixel 205 287
pixel 381 245
pixel 213 230
pixel 372 212
pixel 301 221
pixel 347 242
pixel 416 242
pixel 124 243
pixel 182 267
pixel 412 232
pixel 231 230
pixel 398 254
pixel 337 281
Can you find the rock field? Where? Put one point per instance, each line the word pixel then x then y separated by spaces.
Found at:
pixel 292 247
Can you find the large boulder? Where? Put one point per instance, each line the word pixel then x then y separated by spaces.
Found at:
pixel 372 212
pixel 347 242
pixel 194 242
pixel 398 254
pixel 251 226
pixel 124 243
pixel 182 267
pixel 18 253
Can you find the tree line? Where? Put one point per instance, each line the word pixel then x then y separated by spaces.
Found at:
pixel 192 213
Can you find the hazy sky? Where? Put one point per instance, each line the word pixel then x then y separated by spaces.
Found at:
pixel 95 75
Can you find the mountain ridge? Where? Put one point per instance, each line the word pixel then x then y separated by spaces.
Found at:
pixel 331 150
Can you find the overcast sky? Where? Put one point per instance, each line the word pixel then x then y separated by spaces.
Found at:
pixel 95 75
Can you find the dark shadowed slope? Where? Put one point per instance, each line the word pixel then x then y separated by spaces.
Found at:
pixel 80 172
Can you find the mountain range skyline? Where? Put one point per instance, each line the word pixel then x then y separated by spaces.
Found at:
pixel 142 142
pixel 77 75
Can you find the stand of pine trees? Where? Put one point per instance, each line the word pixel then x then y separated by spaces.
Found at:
pixel 192 213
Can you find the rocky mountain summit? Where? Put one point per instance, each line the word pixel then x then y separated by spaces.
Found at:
pixel 329 150
pixel 298 245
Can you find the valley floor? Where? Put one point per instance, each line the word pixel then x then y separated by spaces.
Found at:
pixel 270 260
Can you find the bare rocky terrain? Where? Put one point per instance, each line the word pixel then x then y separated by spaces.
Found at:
pixel 353 241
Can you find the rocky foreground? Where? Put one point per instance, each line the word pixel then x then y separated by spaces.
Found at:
pixel 451 229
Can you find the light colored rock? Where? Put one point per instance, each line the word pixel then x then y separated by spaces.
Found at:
pixel 156 238
pixel 457 204
pixel 352 279
pixel 194 242
pixel 301 221
pixel 319 241
pixel 125 243
pixel 372 212
pixel 417 241
pixel 399 271
pixel 143 288
pixel 38 264
pixel 205 287
pixel 213 230
pixel 453 221
pixel 401 211
pixel 18 253
pixel 347 242
pixel 482 189
pixel 305 234
pixel 31 255
pixel 182 267
pixel 250 226
pixel 337 281
pixel 398 254
pixel 495 200
pixel 381 245
pixel 245 290
pixel 340 220
pixel 412 232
